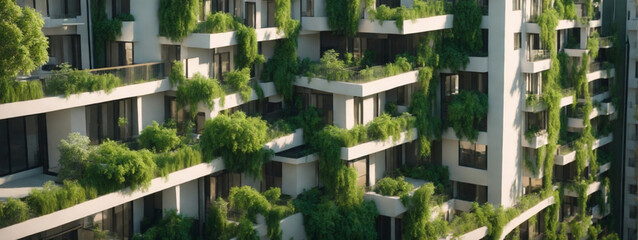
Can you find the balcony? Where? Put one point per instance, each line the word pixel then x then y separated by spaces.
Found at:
pixel 20 188
pixel 604 109
pixel 605 42
pixel 537 60
pixel 535 104
pixel 602 140
pixel 391 206
pixel 598 70
pixel 575 52
pixel 419 25
pixel 364 149
pixel 224 39
pixel 565 154
pixel 358 85
pixel 136 80
pixel 591 188
pixel 535 140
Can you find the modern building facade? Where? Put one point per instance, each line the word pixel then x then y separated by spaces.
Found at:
pixel 499 167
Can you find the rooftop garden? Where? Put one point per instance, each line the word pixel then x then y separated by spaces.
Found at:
pixel 420 9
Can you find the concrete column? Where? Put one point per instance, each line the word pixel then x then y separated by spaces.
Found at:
pixel 188 199
pixel 368 109
pixel 150 108
pixel 138 214
pixel 59 125
pixel 584 33
pixel 343 107
pixel 139 112
pixel 171 199
pixel 393 228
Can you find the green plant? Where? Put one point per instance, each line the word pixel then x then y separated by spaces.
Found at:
pixel 247 202
pixel 14 91
pixel 114 167
pixel 199 89
pixel 247 52
pixel 179 159
pixel 272 194
pixel 392 187
pixel 172 226
pixel 219 22
pixel 420 9
pixel 466 111
pixel 416 220
pixel 69 81
pixel 238 81
pixel 74 153
pixel 13 211
pixel 104 30
pixel 216 226
pixel 245 230
pixel 391 108
pixel 177 18
pixel 239 140
pixel 436 174
pixel 467 25
pixel 158 139
pixel 125 17
pixel 176 76
pixel 343 16
pixel 52 198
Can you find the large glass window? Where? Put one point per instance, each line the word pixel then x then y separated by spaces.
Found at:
pixel 471 192
pixel 22 143
pixel 472 155
pixel 393 158
pixel 103 120
pixel 251 12
pixel 222 64
pixel 272 175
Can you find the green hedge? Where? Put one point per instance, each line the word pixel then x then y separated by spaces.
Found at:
pixel 52 198
pixel 15 91
pixel 13 211
pixel 420 9
pixel 172 226
pixel 392 187
pixel 69 81
pixel 177 18
pixel 157 138
pixel 200 89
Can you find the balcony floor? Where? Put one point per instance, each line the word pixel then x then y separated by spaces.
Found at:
pixel 20 188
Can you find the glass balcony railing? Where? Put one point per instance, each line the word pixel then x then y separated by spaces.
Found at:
pixel 133 74
pixel 537 55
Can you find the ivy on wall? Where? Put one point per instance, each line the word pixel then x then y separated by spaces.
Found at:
pixel 343 16
pixel 177 18
pixel 104 30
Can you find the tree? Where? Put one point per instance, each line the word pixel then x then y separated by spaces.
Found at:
pixel 24 47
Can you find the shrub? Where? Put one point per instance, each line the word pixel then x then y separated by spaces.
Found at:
pixel 420 9
pixel 343 16
pixel 384 126
pixel 245 230
pixel 392 187
pixel 158 138
pixel 177 18
pixel 248 202
pixel 437 174
pixel 239 80
pixel 13 211
pixel 216 226
pixel 199 89
pixel 172 226
pixel 272 194
pixel 125 17
pixel 74 152
pixel 416 220
pixel 115 167
pixel 14 91
pixel 52 198
pixel 219 22
pixel 247 49
pixel 182 158
pixel 69 81
pixel 239 140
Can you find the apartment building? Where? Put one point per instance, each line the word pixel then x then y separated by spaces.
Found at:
pixel 628 170
pixel 503 165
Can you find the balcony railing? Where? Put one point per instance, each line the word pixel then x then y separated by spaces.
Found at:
pixel 605 41
pixel 133 74
pixel 565 149
pixel 537 55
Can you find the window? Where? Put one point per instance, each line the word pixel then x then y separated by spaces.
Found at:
pixel 396 95
pixel 206 7
pixel 632 233
pixel 534 83
pixel 536 120
pixel 636 70
pixel 516 5
pixel 272 175
pixel 631 162
pixel 251 12
pixel 632 211
pixel 517 40
pixel 358 110
pixel 393 158
pixel 117 220
pixel 472 155
pixel 22 143
pixel 222 64
pixel 221 6
pixel 632 189
pixel 309 6
pixel 102 120
pixel 471 192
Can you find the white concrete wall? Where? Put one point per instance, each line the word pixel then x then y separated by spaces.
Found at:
pixel 146 31
pixel 450 150
pixel 152 108
pixel 59 125
pixel 189 200
pixel 307 46
pixel 171 198
pixel 377 167
pixel 343 107
pixel 297 178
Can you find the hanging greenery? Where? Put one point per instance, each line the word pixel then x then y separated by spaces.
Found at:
pixel 104 30
pixel 239 80
pixel 67 81
pixel 420 9
pixel 177 76
pixel 199 89
pixel 177 18
pixel 247 52
pixel 465 112
pixel 343 16
pixel 239 140
pixel 467 25
pixel 416 220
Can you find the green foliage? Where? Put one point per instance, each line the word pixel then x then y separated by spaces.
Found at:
pixel 74 153
pixel 592 45
pixel 125 17
pixel 392 187
pixel 247 202
pixel 200 89
pixel 272 194
pixel 245 230
pixel 239 140
pixel 323 219
pixel 13 211
pixel 216 226
pixel 52 198
pixel 69 81
pixel 391 108
pixel 467 25
pixel 453 58
pixel 283 66
pixel 239 80
pixel 157 138
pixel 179 159
pixel 343 16
pixel 436 174
pixel 466 111
pixel 416 220
pixel 172 226
pixel 420 9
pixel 247 52
pixel 24 46
pixel 15 91
pixel 219 22
pixel 104 30
pixel 332 68
pixel 177 76
pixel 385 126
pixel 113 167
pixel 177 18
pixel 428 126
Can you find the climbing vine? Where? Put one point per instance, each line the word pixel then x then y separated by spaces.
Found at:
pixel 199 89
pixel 465 112
pixel 104 30
pixel 177 18
pixel 343 16
pixel 416 220
pixel 247 52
